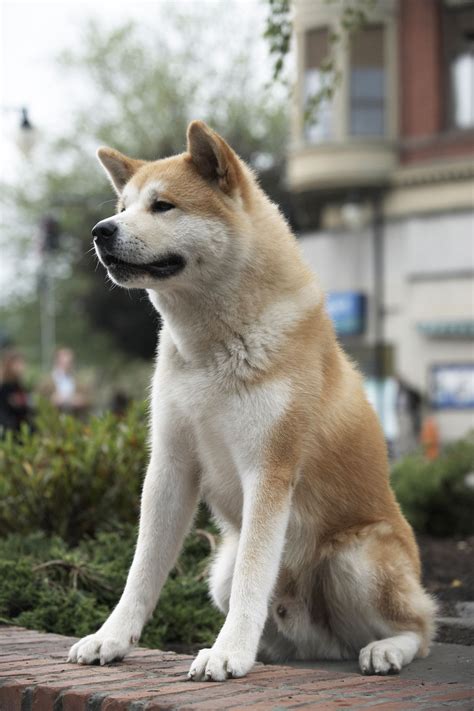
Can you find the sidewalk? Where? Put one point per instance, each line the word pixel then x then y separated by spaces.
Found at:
pixel 35 677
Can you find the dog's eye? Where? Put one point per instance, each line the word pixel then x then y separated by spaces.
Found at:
pixel 123 209
pixel 161 206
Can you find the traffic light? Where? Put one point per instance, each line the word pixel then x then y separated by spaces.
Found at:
pixel 49 235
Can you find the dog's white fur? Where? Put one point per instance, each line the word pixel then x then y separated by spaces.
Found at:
pixel 238 412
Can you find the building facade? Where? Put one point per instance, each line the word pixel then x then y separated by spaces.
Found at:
pixel 383 188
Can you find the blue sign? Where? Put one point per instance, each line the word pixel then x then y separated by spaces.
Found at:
pixel 347 310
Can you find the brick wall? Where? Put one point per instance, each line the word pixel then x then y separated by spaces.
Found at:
pixel 422 91
pixel 420 68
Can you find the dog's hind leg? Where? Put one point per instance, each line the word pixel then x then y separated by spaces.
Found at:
pixel 378 607
pixel 363 599
pixel 409 613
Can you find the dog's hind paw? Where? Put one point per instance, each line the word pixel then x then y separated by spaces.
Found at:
pixel 381 657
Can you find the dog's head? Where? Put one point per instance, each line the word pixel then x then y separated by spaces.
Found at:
pixel 179 220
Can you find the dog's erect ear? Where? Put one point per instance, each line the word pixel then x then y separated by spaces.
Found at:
pixel 213 157
pixel 118 167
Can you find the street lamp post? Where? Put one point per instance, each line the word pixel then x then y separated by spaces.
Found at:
pixel 49 240
pixel 353 219
pixel 49 243
pixel 379 300
pixel 26 130
pixel 47 315
pixel 25 123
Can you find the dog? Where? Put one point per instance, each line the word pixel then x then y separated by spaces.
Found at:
pixel 257 410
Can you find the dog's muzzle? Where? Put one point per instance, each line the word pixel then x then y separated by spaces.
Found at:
pixel 104 233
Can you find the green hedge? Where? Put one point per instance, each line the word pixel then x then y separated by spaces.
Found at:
pixel 74 479
pixel 50 586
pixel 434 495
pixel 70 478
pixel 69 504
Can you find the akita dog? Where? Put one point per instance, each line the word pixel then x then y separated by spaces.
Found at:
pixel 256 409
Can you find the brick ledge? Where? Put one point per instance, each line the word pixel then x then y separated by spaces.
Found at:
pixel 35 677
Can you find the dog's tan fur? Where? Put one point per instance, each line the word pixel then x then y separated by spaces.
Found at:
pixel 349 570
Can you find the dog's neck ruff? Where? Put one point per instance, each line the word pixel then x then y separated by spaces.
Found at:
pixel 209 331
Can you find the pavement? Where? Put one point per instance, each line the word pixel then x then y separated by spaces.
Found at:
pixel 446 662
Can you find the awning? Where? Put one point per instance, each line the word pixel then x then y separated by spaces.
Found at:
pixel 462 328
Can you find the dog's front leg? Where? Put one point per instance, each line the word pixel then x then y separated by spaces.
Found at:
pixel 265 516
pixel 169 499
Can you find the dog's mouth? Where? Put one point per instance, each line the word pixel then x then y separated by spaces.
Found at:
pixel 163 268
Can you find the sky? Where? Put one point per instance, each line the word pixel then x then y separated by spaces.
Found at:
pixel 33 33
pixel 27 73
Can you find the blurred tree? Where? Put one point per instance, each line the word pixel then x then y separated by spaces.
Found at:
pixel 139 88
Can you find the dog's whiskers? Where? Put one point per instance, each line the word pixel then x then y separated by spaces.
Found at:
pixel 106 202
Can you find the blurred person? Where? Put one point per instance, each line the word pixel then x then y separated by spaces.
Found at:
pixel 66 393
pixel 15 399
pixel 429 438
pixel 408 407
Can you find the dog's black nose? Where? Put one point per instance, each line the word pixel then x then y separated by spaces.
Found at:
pixel 104 230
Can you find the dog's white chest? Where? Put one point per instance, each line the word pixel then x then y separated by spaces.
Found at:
pixel 231 428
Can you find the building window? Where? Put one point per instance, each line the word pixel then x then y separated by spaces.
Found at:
pixel 317 128
pixel 367 83
pixel 458 36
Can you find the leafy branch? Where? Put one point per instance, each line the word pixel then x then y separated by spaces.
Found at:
pixel 279 26
pixel 354 16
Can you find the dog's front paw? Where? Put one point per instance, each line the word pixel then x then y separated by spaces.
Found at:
pixel 219 664
pixel 100 647
pixel 381 657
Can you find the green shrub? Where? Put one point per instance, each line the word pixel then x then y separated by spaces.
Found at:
pixel 52 587
pixel 69 500
pixel 72 478
pixel 433 494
